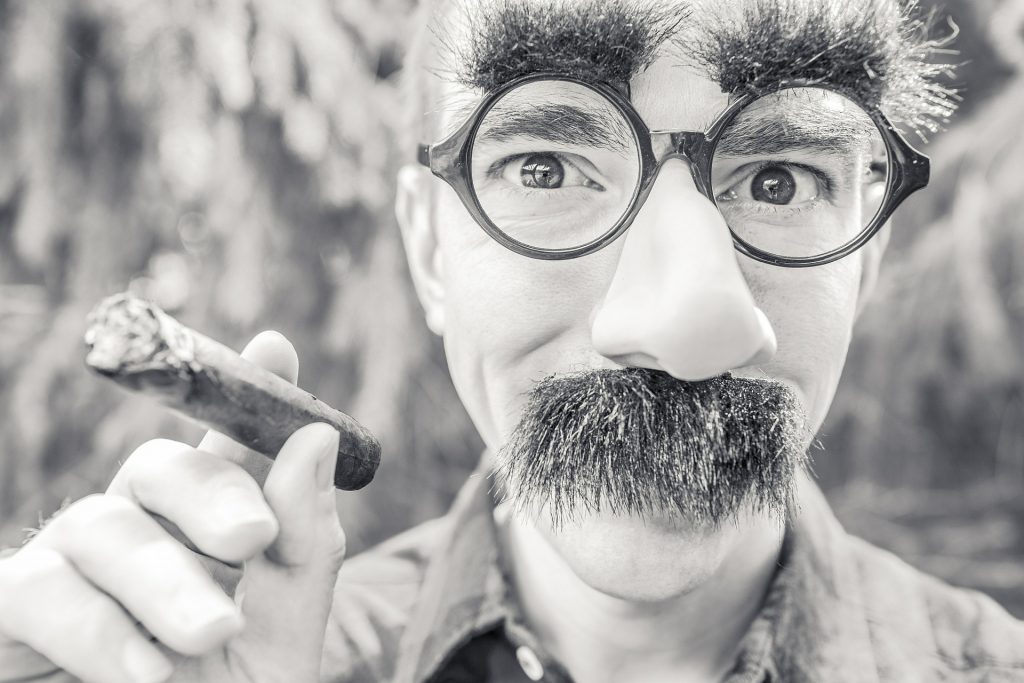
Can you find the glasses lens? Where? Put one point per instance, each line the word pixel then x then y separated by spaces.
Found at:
pixel 800 173
pixel 555 164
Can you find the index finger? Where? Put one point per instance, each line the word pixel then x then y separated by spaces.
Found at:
pixel 271 351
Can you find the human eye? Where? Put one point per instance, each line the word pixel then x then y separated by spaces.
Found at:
pixel 546 171
pixel 777 186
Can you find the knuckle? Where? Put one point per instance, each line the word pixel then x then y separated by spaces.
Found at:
pixel 99 509
pixel 91 626
pixel 336 547
pixel 90 515
pixel 22 574
pixel 230 480
pixel 147 456
pixel 235 543
pixel 91 611
pixel 157 448
pixel 46 608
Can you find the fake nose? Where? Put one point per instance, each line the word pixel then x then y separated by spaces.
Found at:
pixel 678 301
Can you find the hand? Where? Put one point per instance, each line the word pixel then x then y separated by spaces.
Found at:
pixel 81 599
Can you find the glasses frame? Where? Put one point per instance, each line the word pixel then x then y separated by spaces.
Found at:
pixel 450 160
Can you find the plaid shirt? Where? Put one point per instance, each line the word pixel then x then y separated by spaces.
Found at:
pixel 432 605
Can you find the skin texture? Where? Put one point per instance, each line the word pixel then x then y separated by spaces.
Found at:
pixel 509 321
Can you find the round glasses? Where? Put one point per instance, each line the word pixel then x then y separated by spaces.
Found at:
pixel 556 168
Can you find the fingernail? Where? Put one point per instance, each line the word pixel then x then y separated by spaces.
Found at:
pixel 144 663
pixel 327 455
pixel 202 613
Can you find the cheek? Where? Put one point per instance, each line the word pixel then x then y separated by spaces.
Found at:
pixel 812 311
pixel 509 320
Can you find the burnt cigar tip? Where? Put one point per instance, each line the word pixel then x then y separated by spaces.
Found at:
pixel 127 334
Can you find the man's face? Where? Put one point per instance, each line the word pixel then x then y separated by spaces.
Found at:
pixel 511 320
pixel 654 297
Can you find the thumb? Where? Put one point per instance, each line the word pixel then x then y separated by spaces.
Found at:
pixel 300 491
pixel 286 592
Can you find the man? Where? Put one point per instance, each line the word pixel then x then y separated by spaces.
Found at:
pixel 645 234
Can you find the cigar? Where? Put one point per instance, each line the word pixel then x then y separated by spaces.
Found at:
pixel 142 348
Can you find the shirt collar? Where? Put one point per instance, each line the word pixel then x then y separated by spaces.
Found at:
pixel 463 589
pixel 821 625
pixel 813 625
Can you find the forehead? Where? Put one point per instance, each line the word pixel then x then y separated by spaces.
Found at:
pixel 698 51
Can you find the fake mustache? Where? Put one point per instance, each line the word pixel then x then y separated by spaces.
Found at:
pixel 639 441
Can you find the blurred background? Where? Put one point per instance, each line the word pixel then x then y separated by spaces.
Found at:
pixel 234 161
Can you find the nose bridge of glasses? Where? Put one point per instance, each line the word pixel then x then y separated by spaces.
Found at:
pixel 687 146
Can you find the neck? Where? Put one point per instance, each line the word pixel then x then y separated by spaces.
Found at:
pixel 689 629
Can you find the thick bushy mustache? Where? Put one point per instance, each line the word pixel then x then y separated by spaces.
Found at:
pixel 638 441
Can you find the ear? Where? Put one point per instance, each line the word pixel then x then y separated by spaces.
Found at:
pixel 414 213
pixel 871 261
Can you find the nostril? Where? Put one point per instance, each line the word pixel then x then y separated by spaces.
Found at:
pixel 691 338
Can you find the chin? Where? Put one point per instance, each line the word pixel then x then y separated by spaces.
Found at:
pixel 649 559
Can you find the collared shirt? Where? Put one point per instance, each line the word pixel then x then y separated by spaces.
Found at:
pixel 432 606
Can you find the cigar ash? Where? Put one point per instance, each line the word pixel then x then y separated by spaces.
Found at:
pixel 136 344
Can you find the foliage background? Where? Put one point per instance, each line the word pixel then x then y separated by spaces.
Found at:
pixel 233 159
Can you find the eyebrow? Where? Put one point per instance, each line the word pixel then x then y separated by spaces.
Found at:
pixel 759 140
pixel 770 43
pixel 752 135
pixel 556 123
pixel 599 41
pixel 777 42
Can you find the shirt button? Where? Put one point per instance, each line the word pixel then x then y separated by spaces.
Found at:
pixel 532 667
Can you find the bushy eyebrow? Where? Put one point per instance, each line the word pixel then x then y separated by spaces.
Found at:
pixel 599 41
pixel 875 51
pixel 556 123
pixel 775 42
